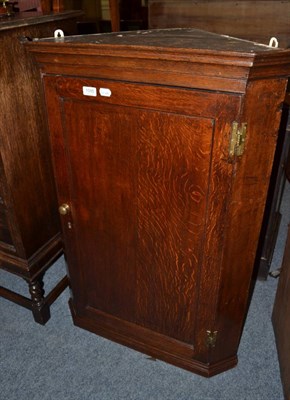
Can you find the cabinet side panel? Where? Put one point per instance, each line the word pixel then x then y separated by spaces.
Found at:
pixel 262 112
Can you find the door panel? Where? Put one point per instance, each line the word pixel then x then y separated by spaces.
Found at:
pixel 141 227
pixel 147 176
pixel 174 165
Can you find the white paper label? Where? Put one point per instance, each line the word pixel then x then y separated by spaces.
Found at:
pixel 89 91
pixel 105 92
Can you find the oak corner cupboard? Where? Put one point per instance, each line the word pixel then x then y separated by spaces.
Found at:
pixel 163 143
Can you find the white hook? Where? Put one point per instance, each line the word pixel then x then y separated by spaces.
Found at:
pixel 273 42
pixel 58 33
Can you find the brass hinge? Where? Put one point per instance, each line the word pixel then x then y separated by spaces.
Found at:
pixel 211 337
pixel 238 138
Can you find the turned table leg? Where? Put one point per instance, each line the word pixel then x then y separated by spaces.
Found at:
pixel 39 307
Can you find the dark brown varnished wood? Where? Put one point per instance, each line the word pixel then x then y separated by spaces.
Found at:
pixel 53 5
pixel 163 224
pixel 249 191
pixel 30 239
pixel 115 15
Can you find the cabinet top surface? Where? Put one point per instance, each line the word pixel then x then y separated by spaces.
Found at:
pixel 182 57
pixel 185 39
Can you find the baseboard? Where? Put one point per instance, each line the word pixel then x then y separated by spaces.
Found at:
pixel 151 343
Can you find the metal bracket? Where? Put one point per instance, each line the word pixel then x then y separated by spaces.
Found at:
pixel 211 337
pixel 238 138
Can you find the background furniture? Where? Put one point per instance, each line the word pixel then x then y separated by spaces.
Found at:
pixel 44 6
pixel 128 15
pixel 281 319
pixel 30 239
pixel 252 20
pixel 115 15
pixel 163 146
pixel 26 5
pixel 52 5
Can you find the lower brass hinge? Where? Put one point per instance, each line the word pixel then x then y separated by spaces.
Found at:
pixel 238 138
pixel 211 337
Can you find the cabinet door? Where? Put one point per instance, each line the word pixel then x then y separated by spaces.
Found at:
pixel 146 174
